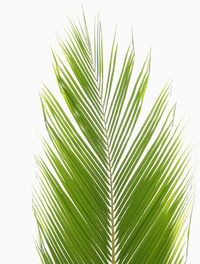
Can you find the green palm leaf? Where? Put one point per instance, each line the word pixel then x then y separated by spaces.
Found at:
pixel 110 191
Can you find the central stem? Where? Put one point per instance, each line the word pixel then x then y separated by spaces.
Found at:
pixel 111 191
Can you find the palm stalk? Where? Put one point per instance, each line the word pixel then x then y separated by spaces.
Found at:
pixel 109 190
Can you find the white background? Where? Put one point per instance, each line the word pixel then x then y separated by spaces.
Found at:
pixel 27 32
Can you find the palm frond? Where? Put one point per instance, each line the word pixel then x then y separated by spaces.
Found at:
pixel 108 192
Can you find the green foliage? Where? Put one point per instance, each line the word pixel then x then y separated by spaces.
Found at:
pixel 110 192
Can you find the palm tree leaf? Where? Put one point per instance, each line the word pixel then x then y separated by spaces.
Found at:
pixel 108 192
pixel 131 114
pixel 111 71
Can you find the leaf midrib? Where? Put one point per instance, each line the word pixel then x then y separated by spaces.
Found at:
pixel 111 188
pixel 99 93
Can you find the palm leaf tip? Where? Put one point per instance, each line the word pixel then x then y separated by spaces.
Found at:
pixel 108 192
